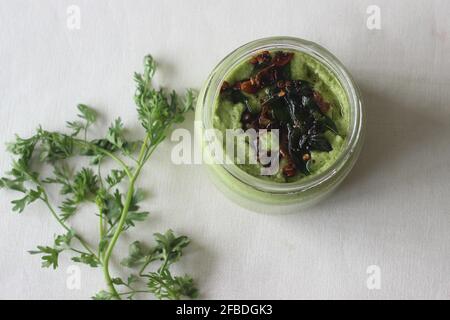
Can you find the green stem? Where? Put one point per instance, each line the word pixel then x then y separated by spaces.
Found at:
pixel 169 291
pixel 99 204
pixel 77 251
pixel 46 200
pixel 107 153
pixel 164 265
pixel 141 271
pixel 55 215
pixel 102 229
pixel 113 241
pixel 123 217
pixel 143 150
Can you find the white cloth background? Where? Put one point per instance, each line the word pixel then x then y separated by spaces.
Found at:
pixel 392 210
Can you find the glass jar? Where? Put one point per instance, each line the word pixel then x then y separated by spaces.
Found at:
pixel 262 195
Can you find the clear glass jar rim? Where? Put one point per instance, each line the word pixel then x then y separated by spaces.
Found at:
pixel 212 89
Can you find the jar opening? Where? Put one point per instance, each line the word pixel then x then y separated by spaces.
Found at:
pixel 243 53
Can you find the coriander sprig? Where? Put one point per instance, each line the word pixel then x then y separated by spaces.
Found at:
pixel 117 210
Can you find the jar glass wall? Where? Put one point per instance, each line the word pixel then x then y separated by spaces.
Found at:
pixel 263 195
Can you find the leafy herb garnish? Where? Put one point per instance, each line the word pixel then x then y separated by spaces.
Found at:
pixel 117 210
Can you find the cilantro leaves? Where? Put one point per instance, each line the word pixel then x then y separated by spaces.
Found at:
pixel 113 193
pixel 161 282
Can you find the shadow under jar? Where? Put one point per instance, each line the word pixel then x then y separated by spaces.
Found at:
pixel 298 88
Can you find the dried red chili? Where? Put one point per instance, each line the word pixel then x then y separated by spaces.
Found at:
pixel 262 58
pixel 282 58
pixel 323 106
pixel 249 86
pixel 289 170
pixel 225 86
